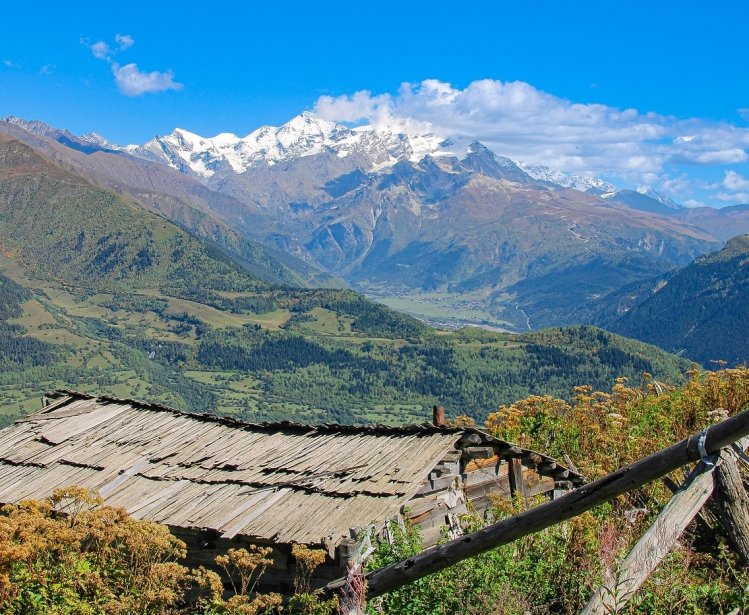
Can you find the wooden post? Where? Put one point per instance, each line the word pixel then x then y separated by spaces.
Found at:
pixel 660 538
pixel 517 484
pixel 731 504
pixel 655 543
pixel 438 416
pixel 574 503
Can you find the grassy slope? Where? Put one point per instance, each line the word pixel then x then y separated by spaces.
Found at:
pixel 191 355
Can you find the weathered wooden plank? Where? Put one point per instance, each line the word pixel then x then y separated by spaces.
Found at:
pixel 113 485
pixel 470 439
pixel 487 473
pixel 517 484
pixel 255 512
pixel 477 464
pixel 510 450
pixel 479 452
pixel 158 499
pixel 732 503
pixel 64 430
pixel 438 484
pixel 655 543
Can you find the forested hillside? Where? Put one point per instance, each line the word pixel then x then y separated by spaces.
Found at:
pixel 700 310
pixel 311 355
pixel 103 295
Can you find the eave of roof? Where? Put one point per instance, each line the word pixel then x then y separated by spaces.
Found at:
pixel 280 481
pixel 270 426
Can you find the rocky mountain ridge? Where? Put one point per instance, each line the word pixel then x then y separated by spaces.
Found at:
pixel 432 226
pixel 304 135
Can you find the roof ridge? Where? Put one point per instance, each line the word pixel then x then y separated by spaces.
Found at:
pixel 422 429
pixel 228 420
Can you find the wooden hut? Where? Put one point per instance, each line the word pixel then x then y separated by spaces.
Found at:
pixel 220 483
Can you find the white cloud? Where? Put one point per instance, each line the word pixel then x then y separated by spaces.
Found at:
pixel 734 182
pixel 131 81
pixel 517 120
pixel 724 156
pixel 47 69
pixel 11 64
pixel 734 197
pixel 125 41
pixel 684 186
pixel 101 50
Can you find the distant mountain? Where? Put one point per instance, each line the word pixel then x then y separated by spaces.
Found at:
pixel 87 144
pixel 165 191
pixel 699 311
pixel 661 197
pixel 583 183
pixel 642 201
pixel 723 223
pixel 309 135
pixel 442 228
pixel 401 214
pixel 304 135
pixel 476 225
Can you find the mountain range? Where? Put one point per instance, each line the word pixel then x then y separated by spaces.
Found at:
pixel 439 227
pixel 99 291
pixel 698 311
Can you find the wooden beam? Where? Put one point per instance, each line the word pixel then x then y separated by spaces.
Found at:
pixel 517 484
pixel 574 503
pixel 655 544
pixel 510 450
pixel 705 518
pixel 732 504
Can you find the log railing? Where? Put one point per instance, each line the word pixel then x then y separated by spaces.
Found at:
pixel 626 479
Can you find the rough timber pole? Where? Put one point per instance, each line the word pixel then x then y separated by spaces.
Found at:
pixel 574 503
pixel 661 537
pixel 731 503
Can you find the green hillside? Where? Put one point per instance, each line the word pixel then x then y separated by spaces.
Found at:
pixel 304 355
pixel 61 227
pixel 700 311
pixel 100 294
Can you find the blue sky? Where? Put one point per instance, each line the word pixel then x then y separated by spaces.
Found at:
pixel 639 92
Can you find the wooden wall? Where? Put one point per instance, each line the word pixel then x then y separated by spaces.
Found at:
pixel 465 479
pixel 468 479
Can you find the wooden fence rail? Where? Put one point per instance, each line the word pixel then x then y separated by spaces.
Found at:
pixel 661 537
pixel 626 479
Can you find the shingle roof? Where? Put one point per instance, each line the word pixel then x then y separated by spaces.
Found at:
pixel 273 481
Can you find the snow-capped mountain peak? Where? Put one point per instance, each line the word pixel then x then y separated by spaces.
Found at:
pixel 583 183
pixel 375 147
pixel 308 124
pixel 304 135
pixel 663 199
pixel 33 126
pixel 96 139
